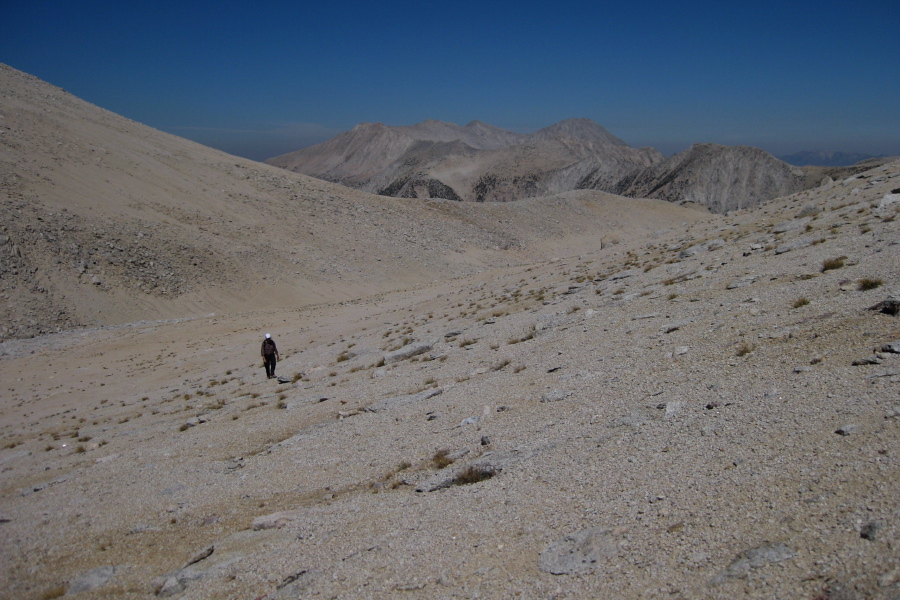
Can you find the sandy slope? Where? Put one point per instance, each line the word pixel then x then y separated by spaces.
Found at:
pixel 103 221
pixel 658 410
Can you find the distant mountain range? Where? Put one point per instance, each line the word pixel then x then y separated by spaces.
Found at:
pixel 823 158
pixel 483 163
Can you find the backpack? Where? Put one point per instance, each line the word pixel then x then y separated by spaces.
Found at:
pixel 269 347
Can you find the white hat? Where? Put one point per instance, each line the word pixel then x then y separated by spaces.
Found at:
pixel 268 336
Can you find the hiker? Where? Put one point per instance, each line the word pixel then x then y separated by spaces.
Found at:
pixel 270 355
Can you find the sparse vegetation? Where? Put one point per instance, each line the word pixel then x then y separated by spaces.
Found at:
pixel 830 264
pixel 800 302
pixel 473 474
pixel 744 349
pixel 869 283
pixel 524 338
pixel 501 364
pixel 440 459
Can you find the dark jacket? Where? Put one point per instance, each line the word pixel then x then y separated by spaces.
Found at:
pixel 268 348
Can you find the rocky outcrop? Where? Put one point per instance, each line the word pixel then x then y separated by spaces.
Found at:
pixel 722 178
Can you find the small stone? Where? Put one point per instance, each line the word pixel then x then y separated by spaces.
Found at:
pixel 848 429
pixel 890 306
pixel 869 360
pixel 170 587
pixel 275 520
pixel 870 530
pixel 754 558
pixel 91 580
pixel 579 552
pixel 205 553
pixel 408 351
pixel 893 347
pixel 673 408
pixel 889 578
pixel 555 395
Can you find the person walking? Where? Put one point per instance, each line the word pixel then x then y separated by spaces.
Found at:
pixel 270 355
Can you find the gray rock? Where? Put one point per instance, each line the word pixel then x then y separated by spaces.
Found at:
pixel 795 245
pixel 625 274
pixel 848 429
pixel 555 395
pixel 647 316
pixel 870 530
pixel 869 360
pixel 91 580
pixel 579 552
pixel 893 347
pixel 203 554
pixel 673 408
pixel 889 578
pixel 275 520
pixel 692 251
pixel 890 306
pixel 171 586
pixel 406 352
pixel 742 282
pixel 768 553
pixel 675 325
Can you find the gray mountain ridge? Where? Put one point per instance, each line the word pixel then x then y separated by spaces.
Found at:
pixel 483 163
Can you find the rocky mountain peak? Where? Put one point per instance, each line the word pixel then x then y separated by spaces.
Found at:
pixel 580 129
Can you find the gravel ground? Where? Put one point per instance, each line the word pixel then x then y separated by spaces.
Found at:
pixel 674 416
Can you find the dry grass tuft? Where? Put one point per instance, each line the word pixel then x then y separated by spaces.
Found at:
pixel 440 459
pixel 869 283
pixel 744 349
pixel 830 264
pixel 474 474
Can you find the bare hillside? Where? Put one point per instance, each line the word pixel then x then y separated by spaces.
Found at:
pixel 107 221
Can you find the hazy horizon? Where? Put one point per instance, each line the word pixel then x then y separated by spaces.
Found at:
pixel 784 78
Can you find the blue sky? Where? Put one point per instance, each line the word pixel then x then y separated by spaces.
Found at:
pixel 262 79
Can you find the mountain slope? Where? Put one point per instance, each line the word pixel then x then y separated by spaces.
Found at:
pixel 476 163
pixel 106 221
pixel 722 178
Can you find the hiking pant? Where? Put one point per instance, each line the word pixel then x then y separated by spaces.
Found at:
pixel 270 365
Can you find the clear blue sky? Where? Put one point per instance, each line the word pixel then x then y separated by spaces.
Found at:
pixel 260 79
